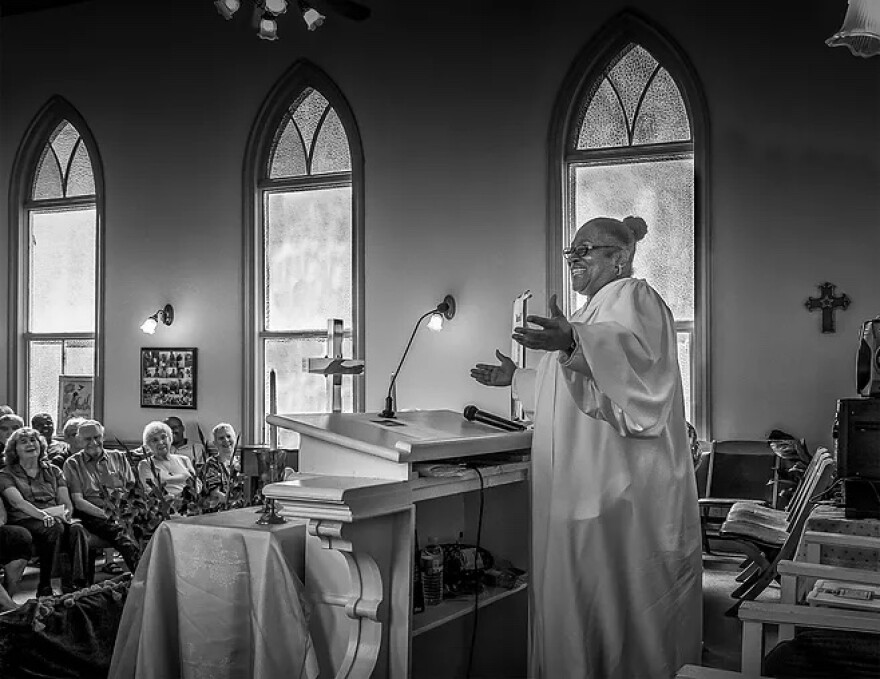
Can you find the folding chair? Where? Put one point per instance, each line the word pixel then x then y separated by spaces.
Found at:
pixel 738 470
pixel 767 547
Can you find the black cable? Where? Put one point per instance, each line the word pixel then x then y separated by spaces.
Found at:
pixel 476 573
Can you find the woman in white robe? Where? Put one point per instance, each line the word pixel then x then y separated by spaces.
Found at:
pixel 616 561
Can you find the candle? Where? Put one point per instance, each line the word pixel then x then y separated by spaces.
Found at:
pixel 273 407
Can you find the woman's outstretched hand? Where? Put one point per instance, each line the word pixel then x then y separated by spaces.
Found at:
pixel 495 375
pixel 555 333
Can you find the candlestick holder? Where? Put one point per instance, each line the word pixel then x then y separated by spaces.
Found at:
pixel 269 516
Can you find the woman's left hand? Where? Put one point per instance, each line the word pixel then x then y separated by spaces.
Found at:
pixel 555 333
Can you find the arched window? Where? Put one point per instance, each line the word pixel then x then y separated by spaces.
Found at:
pixel 628 138
pixel 305 252
pixel 57 207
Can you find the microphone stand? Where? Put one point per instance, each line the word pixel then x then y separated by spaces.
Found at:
pixel 389 401
pixel 447 309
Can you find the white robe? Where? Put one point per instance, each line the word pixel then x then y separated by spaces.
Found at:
pixel 616 561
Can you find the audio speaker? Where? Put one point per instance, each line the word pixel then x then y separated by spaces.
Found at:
pixel 868 359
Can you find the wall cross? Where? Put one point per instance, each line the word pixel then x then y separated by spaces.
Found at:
pixel 828 303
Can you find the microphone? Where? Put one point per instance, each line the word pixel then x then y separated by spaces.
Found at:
pixel 447 309
pixel 474 414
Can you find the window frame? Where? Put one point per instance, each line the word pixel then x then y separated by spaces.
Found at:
pixel 21 205
pixel 588 68
pixel 303 74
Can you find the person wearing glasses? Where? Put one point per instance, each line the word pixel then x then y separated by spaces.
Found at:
pixel 616 561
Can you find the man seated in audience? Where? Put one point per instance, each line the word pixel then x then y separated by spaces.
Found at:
pixel 9 422
pixel 56 451
pixel 89 473
pixel 179 444
pixel 15 550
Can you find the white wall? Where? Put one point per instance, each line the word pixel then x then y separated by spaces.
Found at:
pixel 453 104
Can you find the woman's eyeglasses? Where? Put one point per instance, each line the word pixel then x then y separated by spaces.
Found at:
pixel 582 251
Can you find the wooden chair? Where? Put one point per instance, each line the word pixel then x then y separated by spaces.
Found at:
pixel 756 520
pixel 797 577
pixel 768 547
pixel 738 470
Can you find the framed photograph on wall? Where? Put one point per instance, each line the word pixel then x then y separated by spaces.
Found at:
pixel 168 378
pixel 75 398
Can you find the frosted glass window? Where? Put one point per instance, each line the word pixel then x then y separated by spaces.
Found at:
pixel 62 271
pixel 80 181
pixel 65 168
pixel 630 76
pixel 48 182
pixel 63 143
pixel 308 259
pixel 299 391
pixel 660 192
pixel 48 360
pixel 289 155
pixel 636 102
pixel 604 125
pixel 308 114
pixel 662 115
pixel 631 103
pixel 331 147
pixel 312 140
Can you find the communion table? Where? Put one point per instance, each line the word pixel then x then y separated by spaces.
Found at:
pixel 373 490
pixel 217 596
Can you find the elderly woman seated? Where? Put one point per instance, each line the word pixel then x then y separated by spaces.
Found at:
pixel 221 462
pixel 37 499
pixel 163 469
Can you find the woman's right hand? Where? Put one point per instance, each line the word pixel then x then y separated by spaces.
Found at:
pixel 495 375
pixel 48 520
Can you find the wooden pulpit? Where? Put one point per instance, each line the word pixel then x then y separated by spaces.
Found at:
pixel 368 486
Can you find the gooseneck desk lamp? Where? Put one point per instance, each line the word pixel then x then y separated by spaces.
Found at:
pixel 446 309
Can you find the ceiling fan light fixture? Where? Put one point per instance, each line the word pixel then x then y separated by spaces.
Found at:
pixel 860 32
pixel 313 18
pixel 268 27
pixel 227 8
pixel 275 7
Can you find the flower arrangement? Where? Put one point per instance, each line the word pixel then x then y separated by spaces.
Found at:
pixel 141 508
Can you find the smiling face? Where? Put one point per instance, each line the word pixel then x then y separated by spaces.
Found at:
pixel 159 443
pixel 224 439
pixel 28 446
pixel 92 439
pixel 596 268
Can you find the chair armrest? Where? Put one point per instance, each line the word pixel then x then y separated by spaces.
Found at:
pixel 841 540
pixel 726 501
pixel 809 616
pixel 820 570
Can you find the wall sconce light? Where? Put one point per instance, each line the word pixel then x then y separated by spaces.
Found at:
pixel 165 314
pixel 860 32
pixel 446 309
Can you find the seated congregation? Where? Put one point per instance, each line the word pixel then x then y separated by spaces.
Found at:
pixel 64 502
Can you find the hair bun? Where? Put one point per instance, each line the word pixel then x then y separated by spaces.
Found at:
pixel 637 227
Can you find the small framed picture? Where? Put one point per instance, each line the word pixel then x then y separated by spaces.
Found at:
pixel 75 398
pixel 168 378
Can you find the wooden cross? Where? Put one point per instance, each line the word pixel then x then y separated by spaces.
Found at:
pixel 828 303
pixel 334 366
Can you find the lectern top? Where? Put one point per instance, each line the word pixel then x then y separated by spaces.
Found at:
pixel 411 436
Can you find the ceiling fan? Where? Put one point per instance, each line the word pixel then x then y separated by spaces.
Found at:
pixel 265 13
